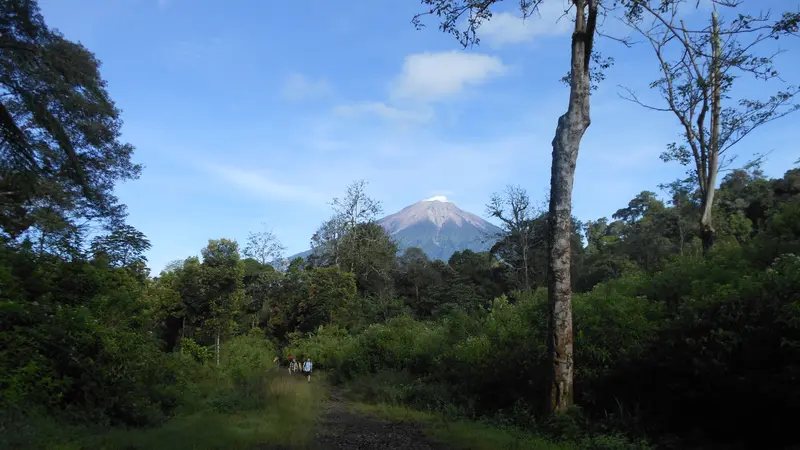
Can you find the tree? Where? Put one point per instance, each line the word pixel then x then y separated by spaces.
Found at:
pixel 350 212
pixel 513 208
pixel 166 307
pixel 538 229
pixel 222 274
pixel 371 255
pixel 261 282
pixel 356 207
pixel 480 270
pixel 699 67
pixel 264 247
pixel 330 290
pixel 646 229
pixel 605 258
pixel 123 247
pixel 414 273
pixel 685 204
pixel 283 309
pixel 60 147
pixel 566 144
pixel 196 310
pixel 325 243
pixel 54 233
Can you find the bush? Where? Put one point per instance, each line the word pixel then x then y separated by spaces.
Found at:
pixel 197 352
pixel 244 373
pixel 729 352
pixel 66 361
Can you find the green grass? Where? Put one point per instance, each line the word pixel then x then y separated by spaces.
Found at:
pixel 460 434
pixel 288 418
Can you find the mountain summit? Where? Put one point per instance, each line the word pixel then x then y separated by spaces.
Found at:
pixel 438 227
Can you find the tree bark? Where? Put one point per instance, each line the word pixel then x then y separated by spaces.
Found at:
pixel 566 143
pixel 524 229
pixel 707 231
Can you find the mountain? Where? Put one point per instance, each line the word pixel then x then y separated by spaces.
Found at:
pixel 438 227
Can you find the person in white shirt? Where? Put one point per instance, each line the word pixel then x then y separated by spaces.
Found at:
pixel 307 366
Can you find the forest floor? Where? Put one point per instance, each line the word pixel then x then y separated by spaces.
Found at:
pixel 297 416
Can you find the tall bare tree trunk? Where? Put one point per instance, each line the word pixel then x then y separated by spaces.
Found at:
pixel 707 231
pixel 525 257
pixel 566 143
pixel 217 347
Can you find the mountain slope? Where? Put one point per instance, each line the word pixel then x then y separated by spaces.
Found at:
pixel 438 227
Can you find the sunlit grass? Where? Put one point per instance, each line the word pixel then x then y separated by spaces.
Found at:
pixel 288 418
pixel 461 435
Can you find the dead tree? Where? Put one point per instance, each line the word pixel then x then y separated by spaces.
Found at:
pixel 698 69
pixel 513 209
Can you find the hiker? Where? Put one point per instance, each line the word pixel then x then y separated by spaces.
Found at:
pixel 292 364
pixel 307 368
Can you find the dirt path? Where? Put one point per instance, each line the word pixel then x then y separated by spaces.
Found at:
pixel 341 429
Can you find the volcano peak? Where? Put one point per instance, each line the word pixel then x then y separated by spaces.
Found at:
pixel 438 198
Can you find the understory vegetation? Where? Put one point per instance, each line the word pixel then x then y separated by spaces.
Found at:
pixel 683 338
pixel 671 346
pixel 242 403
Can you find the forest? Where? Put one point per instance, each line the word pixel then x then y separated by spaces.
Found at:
pixel 685 305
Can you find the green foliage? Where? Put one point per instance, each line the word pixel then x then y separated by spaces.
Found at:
pixel 243 404
pixel 737 337
pixel 197 352
pixel 243 374
pixel 666 325
pixel 330 294
pixel 60 152
pixel 77 346
pixel 654 324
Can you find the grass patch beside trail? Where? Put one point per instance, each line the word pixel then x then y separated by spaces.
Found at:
pixel 460 434
pixel 287 418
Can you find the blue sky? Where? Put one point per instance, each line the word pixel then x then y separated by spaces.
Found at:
pixel 262 112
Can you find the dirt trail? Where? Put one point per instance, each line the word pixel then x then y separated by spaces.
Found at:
pixel 340 429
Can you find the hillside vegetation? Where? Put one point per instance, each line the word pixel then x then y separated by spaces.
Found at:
pixel 678 344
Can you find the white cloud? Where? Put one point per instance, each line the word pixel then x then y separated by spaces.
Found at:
pixel 260 184
pixel 507 28
pixel 298 86
pixel 385 111
pixel 432 76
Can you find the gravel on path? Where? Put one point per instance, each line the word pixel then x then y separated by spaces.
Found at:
pixel 341 429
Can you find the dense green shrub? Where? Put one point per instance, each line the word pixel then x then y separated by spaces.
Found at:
pixel 243 374
pixel 74 343
pixel 490 363
pixel 713 336
pixel 197 352
pixel 730 352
